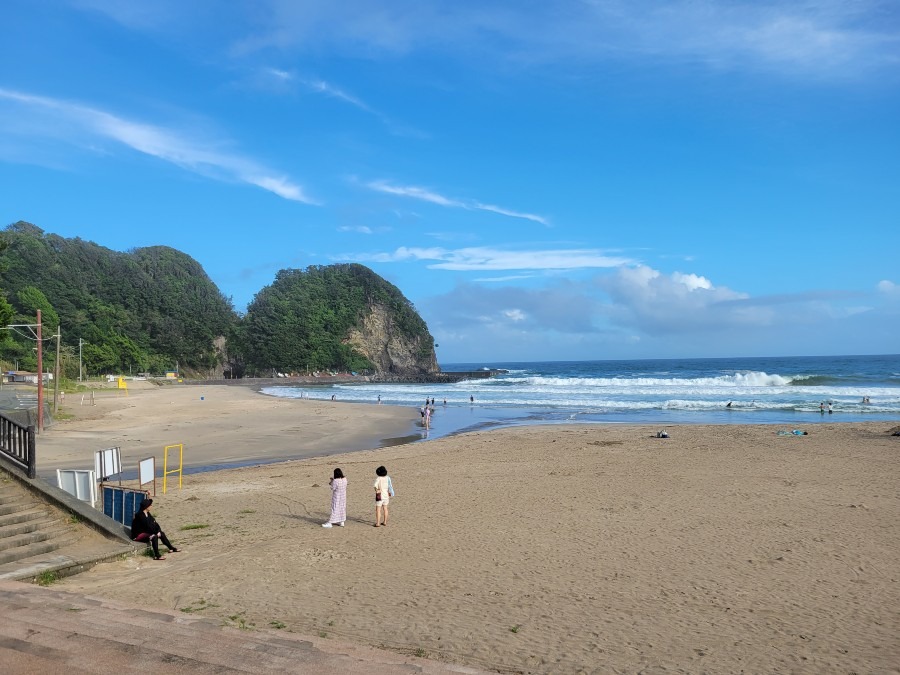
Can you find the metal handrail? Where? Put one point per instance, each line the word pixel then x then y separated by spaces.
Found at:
pixel 17 443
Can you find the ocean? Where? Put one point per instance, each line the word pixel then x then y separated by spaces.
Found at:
pixel 766 390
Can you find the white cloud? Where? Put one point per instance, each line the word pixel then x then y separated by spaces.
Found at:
pixel 427 195
pixel 827 37
pixel 359 229
pixel 510 213
pixel 514 314
pixel 510 277
pixel 889 288
pixel 643 297
pixel 323 87
pixel 823 38
pixel 415 193
pixel 276 80
pixel 279 74
pixel 483 258
pixel 692 281
pixel 78 124
pixel 562 308
pixel 642 312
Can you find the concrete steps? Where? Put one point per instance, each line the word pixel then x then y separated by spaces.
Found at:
pixel 37 537
pixel 21 515
pixel 47 631
pixel 33 522
pixel 24 546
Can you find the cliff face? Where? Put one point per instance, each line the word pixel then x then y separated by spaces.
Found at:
pixel 378 339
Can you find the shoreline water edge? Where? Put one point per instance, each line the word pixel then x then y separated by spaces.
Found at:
pixel 790 392
pixel 786 390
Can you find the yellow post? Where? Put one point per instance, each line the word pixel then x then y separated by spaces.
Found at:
pixel 166 471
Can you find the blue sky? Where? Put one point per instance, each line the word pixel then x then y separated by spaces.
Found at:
pixel 579 179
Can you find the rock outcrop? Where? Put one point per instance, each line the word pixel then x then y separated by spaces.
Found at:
pixel 389 349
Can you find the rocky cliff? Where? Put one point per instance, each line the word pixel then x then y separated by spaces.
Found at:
pixel 390 350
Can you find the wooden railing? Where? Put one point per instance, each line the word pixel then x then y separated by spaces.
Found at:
pixel 17 444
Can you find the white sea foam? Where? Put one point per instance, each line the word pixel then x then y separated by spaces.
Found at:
pixel 749 379
pixel 690 392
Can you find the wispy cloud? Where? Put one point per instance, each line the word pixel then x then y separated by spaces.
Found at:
pixel 359 229
pixel 826 37
pixel 323 87
pixel 285 81
pixel 498 280
pixel 76 123
pixel 483 259
pixel 276 73
pixel 427 195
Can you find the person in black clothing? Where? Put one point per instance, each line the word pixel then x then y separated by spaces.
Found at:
pixel 145 528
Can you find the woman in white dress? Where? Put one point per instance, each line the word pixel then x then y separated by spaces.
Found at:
pixel 338 500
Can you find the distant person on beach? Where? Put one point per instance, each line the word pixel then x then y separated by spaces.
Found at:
pixel 379 399
pixel 384 490
pixel 830 410
pixel 332 397
pixel 822 408
pixel 471 399
pixel 427 418
pixel 728 405
pixel 445 401
pixel 338 499
pixel 145 528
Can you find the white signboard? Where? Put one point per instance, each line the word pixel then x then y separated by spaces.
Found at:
pixel 79 483
pixel 148 470
pixel 107 463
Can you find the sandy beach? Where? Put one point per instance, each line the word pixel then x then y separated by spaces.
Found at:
pixel 218 425
pixel 556 549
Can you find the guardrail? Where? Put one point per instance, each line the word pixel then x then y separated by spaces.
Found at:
pixel 17 444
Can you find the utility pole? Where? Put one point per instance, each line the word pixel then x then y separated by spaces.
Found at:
pixel 40 369
pixel 80 342
pixel 56 373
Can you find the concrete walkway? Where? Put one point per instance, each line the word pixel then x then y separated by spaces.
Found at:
pixel 44 631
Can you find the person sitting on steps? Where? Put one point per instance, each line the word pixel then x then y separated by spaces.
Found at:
pixel 145 528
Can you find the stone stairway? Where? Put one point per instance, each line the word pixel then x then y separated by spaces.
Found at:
pixel 37 537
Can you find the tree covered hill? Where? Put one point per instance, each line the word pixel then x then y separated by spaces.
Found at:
pixel 337 316
pixel 152 309
pixel 146 310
